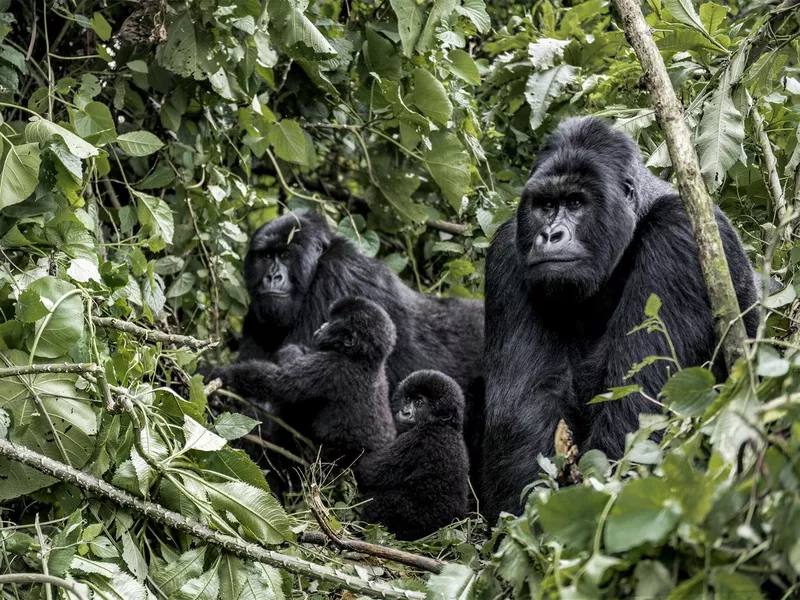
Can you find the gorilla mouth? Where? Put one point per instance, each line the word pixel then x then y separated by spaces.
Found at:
pixel 547 260
pixel 275 294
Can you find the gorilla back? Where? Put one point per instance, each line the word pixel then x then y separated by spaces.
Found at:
pixel 594 236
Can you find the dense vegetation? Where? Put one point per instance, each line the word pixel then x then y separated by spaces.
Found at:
pixel 143 140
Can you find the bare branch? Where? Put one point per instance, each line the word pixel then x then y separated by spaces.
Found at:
pixel 39 578
pixel 50 368
pixel 151 335
pixel 168 518
pixel 448 227
pixel 669 112
pixel 770 164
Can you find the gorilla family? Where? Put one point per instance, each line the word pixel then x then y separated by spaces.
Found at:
pixel 595 234
pixel 418 483
pixel 296 268
pixel 338 383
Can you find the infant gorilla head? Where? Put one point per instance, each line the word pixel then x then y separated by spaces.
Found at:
pixel 427 397
pixel 359 329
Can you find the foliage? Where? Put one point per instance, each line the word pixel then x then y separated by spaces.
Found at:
pixel 142 141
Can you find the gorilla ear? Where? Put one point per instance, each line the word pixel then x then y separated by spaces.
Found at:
pixel 630 188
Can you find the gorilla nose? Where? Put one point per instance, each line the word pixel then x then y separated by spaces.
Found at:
pixel 273 278
pixel 552 236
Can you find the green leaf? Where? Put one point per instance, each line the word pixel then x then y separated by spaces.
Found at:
pixel 182 285
pixel 95 124
pixel 652 306
pixel 170 576
pixel 20 174
pixel 366 241
pixel 155 215
pixel 440 10
pixel 571 515
pixel 543 88
pixel 690 391
pixel 287 138
pixel 101 26
pixel 463 67
pixel 449 165
pixel 643 512
pixel 381 57
pixel 713 17
pixel 653 580
pixel 296 33
pixel 255 509
pixel 30 308
pixel 236 464
pixel 720 135
pixel 42 130
pixel 233 426
pixel 62 327
pixel 180 53
pixel 455 582
pixel 475 11
pixel 204 587
pixel 544 52
pixel 684 12
pixel 730 584
pixel 139 143
pixel 409 23
pixel 431 97
pixel 770 363
pixel 199 438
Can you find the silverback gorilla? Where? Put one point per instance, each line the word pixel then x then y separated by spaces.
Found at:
pixel 296 268
pixel 595 234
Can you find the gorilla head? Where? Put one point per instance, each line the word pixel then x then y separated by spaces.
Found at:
pixel 359 329
pixel 577 214
pixel 427 397
pixel 281 263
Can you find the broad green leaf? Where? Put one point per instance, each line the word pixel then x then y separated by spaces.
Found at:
pixel 543 88
pixel 794 159
pixel 397 189
pixel 263 583
pixel 236 464
pixel 653 580
pixel 232 576
pixel 571 515
pixel 544 52
pixel 287 138
pixel 101 26
pixel 180 53
pixel 296 33
pixel 182 285
pixel 83 271
pixel 475 11
pixel 449 165
pixel 455 582
pixel 155 215
pixel 440 10
pixel 431 97
pixel 199 438
pixel 29 307
pixel 686 40
pixel 463 67
pixel 42 130
pixel 643 512
pixel 95 124
pixel 713 17
pixel 684 12
pixel 232 426
pixel 62 327
pixel 410 15
pixel 255 509
pixel 731 584
pixel 139 143
pixel 170 576
pixel 770 363
pixel 392 92
pixel 20 174
pixel 204 587
pixel 690 392
pixel 381 57
pixel 366 241
pixel 64 545
pixel 720 135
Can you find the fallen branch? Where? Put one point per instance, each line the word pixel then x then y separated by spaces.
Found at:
pixel 50 368
pixel 321 516
pixel 168 518
pixel 669 112
pixel 36 578
pixel 448 227
pixel 151 335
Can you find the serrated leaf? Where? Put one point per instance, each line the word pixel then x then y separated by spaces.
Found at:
pixel 455 582
pixel 255 509
pixel 42 130
pixel 720 135
pixel 204 587
pixel 409 23
pixel 139 143
pixel 170 576
pixel 232 426
pixel 690 391
pixel 20 174
pixel 449 166
pixel 287 138
pixel 199 438
pixel 543 88
pixel 431 97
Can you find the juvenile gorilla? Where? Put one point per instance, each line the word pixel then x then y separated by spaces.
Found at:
pixel 594 236
pixel 338 384
pixel 418 483
pixel 296 268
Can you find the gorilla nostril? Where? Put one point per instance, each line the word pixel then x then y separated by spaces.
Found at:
pixel 556 236
pixel 542 238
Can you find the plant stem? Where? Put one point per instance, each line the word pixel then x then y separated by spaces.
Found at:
pixel 153 335
pixel 36 578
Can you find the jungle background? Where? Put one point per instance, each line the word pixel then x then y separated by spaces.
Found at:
pixel 144 140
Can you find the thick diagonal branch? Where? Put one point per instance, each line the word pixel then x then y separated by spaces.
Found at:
pixel 669 112
pixel 151 335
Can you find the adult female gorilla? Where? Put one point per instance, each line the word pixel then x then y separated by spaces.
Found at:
pixel 567 279
pixel 296 268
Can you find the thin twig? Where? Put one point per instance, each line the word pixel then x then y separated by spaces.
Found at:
pixel 151 335
pixel 277 449
pixel 168 518
pixel 770 164
pixel 321 516
pixel 36 578
pixel 112 195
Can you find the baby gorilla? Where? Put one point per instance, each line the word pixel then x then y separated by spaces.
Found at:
pixel 338 384
pixel 418 483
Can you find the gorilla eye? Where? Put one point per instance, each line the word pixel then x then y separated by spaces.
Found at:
pixel 285 255
pixel 574 202
pixel 419 402
pixel 548 205
pixel 350 341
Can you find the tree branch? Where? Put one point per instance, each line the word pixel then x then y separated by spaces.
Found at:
pixel 152 335
pixel 448 227
pixel 35 578
pixel 669 112
pixel 50 368
pixel 770 164
pixel 168 518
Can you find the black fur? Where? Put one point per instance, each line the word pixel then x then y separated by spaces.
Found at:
pixel 418 483
pixel 321 267
pixel 557 333
pixel 338 384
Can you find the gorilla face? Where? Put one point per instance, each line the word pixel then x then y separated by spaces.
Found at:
pixel 281 263
pixel 358 328
pixel 575 219
pixel 427 397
